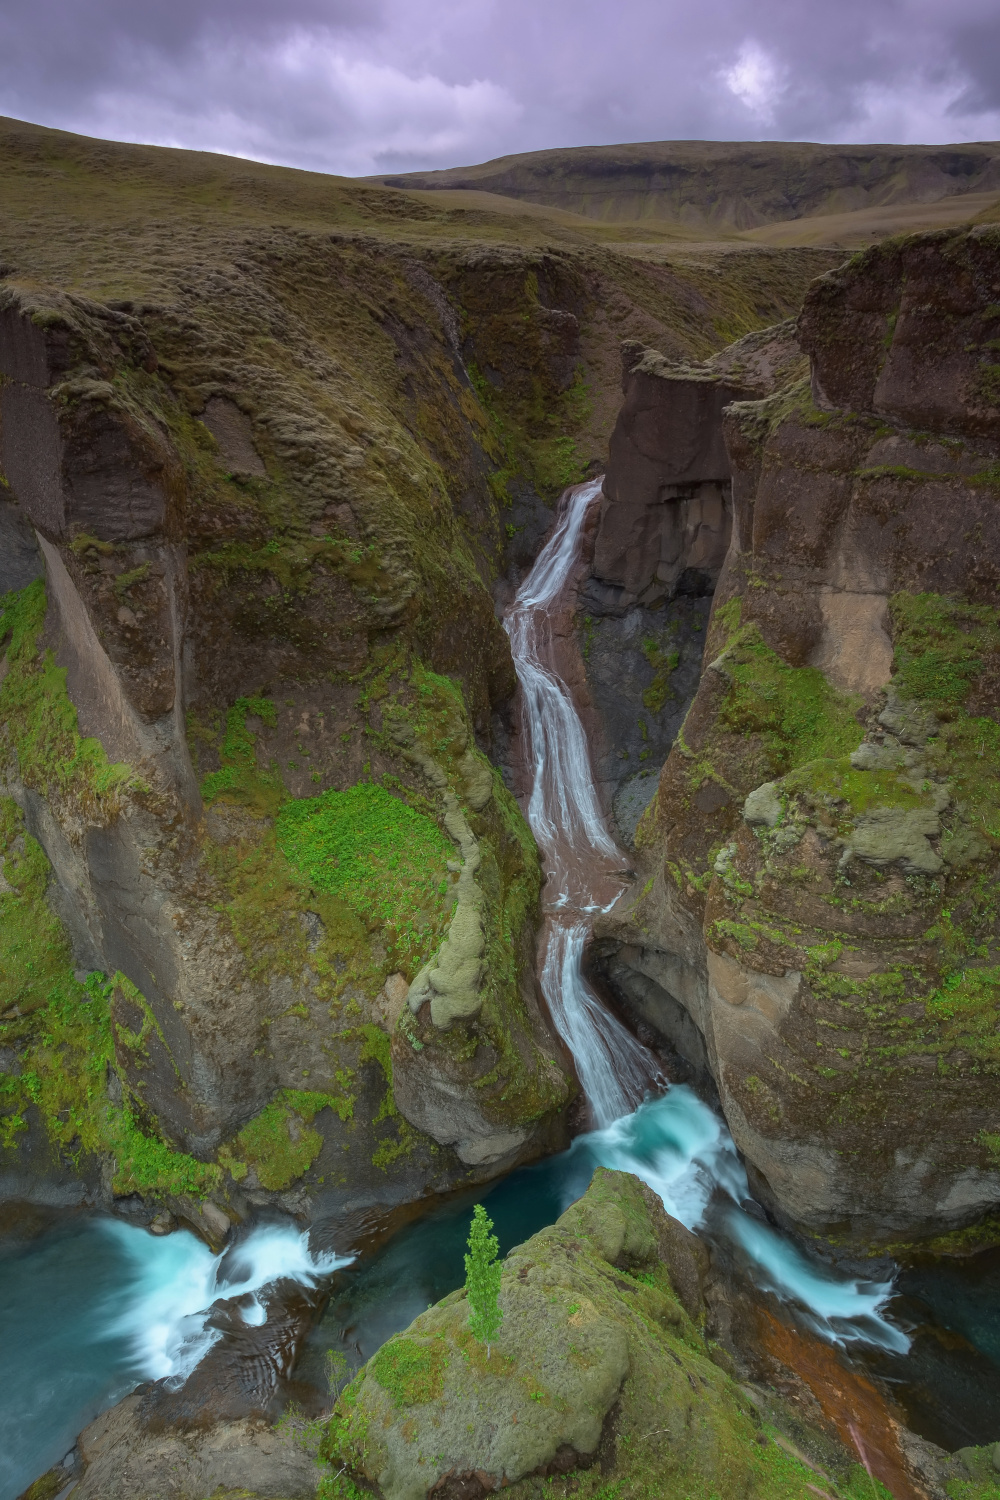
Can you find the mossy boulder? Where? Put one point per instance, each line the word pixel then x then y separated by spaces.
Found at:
pixel 597 1362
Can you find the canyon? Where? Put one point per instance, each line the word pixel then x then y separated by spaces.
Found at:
pixel 285 931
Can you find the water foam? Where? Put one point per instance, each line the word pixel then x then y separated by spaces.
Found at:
pixel 161 1310
pixel 681 1148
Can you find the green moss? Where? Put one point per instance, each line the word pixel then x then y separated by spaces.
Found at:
pixel 852 793
pixel 39 734
pixel 939 644
pixel 146 1164
pixel 412 1373
pixel 967 1005
pixel 738 932
pixel 125 581
pixel 663 662
pixel 62 1033
pixel 386 861
pixel 240 779
pixel 796 713
pixel 277 1142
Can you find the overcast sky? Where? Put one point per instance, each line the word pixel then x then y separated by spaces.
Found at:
pixel 361 86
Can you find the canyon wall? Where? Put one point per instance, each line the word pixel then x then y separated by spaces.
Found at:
pixel 814 918
pixel 657 549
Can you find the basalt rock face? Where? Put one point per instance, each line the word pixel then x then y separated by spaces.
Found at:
pixel 815 915
pixel 661 539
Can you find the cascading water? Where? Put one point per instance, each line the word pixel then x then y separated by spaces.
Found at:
pixel 674 1142
pixel 583 863
pixel 90 1311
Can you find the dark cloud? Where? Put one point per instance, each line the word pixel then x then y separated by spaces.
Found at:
pixel 356 86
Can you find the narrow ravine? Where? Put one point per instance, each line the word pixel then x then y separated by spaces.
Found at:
pixel 93 1306
pixel 670 1138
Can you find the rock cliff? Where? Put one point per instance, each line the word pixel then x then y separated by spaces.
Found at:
pixel 818 870
pixel 661 538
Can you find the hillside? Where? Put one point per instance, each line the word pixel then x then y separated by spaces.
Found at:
pixel 718 187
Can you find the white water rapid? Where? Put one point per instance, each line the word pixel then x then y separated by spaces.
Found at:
pixel 673 1141
pixel 162 1308
pixel 583 865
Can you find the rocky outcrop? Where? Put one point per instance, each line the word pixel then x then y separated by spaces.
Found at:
pixel 600 1361
pixel 172 682
pixel 816 870
pixel 666 517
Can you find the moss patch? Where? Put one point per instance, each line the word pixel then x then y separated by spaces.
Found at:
pixel 794 710
pixel 365 846
pixel 62 1036
pixel 412 1372
pixel 240 779
pixel 278 1144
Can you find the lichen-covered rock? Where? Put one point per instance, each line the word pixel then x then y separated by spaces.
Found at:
pixel 817 874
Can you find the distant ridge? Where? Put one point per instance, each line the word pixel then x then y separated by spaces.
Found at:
pixel 723 185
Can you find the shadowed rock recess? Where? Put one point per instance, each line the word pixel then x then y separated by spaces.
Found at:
pixel 815 917
pixel 271 446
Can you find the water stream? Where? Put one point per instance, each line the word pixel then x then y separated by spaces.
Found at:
pixel 92 1307
pixel 95 1306
pixel 674 1142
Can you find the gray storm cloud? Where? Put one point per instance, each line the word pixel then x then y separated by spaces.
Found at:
pixel 351 86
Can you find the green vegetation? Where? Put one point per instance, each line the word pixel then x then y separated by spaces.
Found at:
pixel 939 647
pixel 39 735
pixel 663 662
pixel 794 711
pixel 277 1144
pixel 387 862
pixel 412 1373
pixel 482 1279
pixel 240 779
pixel 64 1037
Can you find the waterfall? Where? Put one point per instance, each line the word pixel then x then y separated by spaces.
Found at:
pixel 582 862
pixel 674 1142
